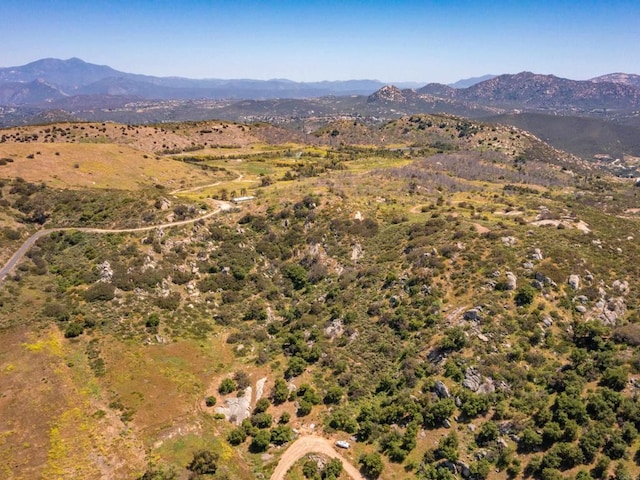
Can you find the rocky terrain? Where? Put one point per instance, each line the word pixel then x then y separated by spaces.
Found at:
pixel 452 298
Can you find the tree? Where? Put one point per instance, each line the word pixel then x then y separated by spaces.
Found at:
pixel 100 291
pixel 530 440
pixel 480 469
pixel 310 470
pixel 210 401
pixel 488 433
pixel 284 418
pixel 525 296
pixel 261 420
pixel 304 407
pixel 281 434
pixel 448 447
pixel 280 392
pixel 157 473
pixel 435 413
pixel 262 405
pixel 242 380
pixel 616 447
pixel 260 442
pixel 332 470
pixel 615 378
pixel 237 436
pixel 296 367
pixel 297 275
pixel 333 395
pixel 204 462
pixel 73 330
pixel 371 465
pixel 227 386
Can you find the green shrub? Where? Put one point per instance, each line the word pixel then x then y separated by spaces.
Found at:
pixel 261 405
pixel 100 291
pixel 281 434
pixel 227 386
pixel 237 436
pixel 524 296
pixel 260 442
pixel 73 330
pixel 204 462
pixel 371 465
pixel 280 392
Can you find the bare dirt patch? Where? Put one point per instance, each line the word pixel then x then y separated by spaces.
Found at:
pixel 311 444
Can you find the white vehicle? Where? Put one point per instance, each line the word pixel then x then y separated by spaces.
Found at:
pixel 342 444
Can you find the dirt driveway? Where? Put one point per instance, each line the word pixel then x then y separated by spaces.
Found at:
pixel 311 444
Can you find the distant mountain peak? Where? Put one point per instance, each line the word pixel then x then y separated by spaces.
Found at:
pixel 388 93
pixel 630 79
pixel 468 82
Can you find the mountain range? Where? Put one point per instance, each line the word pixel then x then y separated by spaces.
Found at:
pixel 53 79
pixel 597 116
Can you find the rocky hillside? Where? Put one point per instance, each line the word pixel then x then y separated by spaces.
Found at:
pixel 623 78
pixel 533 91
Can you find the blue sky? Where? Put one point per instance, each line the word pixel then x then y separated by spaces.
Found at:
pixel 308 40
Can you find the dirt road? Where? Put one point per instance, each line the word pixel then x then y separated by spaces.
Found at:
pixel 24 248
pixel 311 444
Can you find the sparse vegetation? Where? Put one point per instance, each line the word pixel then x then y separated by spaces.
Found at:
pixel 419 302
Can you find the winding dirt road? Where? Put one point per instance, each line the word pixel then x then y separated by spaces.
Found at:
pixel 239 178
pixel 24 248
pixel 311 444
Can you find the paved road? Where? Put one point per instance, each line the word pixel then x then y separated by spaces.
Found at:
pixel 24 248
pixel 311 444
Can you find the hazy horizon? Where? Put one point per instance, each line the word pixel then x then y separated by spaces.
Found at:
pixel 408 41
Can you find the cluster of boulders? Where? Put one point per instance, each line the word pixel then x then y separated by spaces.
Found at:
pixel 105 272
pixel 475 382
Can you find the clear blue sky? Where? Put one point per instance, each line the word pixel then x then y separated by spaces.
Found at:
pixel 307 40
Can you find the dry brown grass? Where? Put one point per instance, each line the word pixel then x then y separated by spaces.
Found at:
pixel 96 166
pixel 53 431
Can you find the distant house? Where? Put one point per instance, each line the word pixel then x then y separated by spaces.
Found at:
pixel 242 199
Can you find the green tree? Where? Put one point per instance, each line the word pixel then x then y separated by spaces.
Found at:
pixel 524 296
pixel 261 420
pixel 304 408
pixel 448 447
pixel 281 434
pixel 284 418
pixel 615 378
pixel 158 473
pixel 371 465
pixel 237 436
pixel 227 386
pixel 480 469
pixel 73 330
pixel 530 440
pixel 488 433
pixel 333 395
pixel 297 275
pixel 332 470
pixel 260 442
pixel 295 367
pixel 280 392
pixel 262 405
pixel 310 470
pixel 204 462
